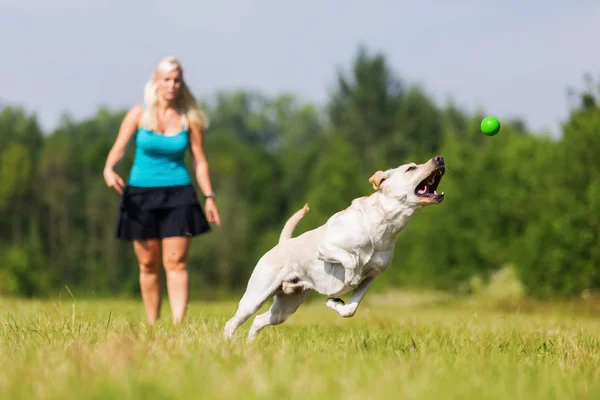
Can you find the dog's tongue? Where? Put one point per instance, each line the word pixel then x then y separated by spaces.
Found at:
pixel 422 191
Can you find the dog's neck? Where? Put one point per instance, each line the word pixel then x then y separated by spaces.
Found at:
pixel 393 214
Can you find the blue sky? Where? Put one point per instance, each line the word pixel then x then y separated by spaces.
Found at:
pixel 510 58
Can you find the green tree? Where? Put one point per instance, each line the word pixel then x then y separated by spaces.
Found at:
pixel 563 257
pixel 363 108
pixel 336 180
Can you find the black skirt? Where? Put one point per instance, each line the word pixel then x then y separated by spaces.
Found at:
pixel 155 213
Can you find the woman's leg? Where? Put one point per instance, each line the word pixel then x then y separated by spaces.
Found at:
pixel 175 255
pixel 149 257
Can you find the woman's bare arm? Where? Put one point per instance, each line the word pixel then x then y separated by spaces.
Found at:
pixel 128 127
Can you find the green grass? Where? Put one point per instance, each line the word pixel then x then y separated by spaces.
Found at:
pixel 394 347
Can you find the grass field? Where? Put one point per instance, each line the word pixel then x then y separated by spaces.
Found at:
pixel 396 346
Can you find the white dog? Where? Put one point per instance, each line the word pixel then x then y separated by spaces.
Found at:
pixel 346 253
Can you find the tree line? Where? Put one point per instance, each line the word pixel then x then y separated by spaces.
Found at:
pixel 520 198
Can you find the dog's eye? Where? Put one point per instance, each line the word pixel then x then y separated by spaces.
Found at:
pixel 410 168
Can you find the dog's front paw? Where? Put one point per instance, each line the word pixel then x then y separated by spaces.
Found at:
pixel 334 303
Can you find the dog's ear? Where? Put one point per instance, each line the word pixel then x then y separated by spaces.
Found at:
pixel 377 179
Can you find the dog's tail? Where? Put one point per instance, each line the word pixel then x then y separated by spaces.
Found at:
pixel 292 222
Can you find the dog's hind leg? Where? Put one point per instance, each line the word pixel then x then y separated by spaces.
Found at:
pixel 283 306
pixel 348 310
pixel 261 286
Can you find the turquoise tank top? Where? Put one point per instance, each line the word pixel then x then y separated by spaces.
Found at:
pixel 159 159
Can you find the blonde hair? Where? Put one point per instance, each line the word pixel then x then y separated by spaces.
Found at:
pixel 186 102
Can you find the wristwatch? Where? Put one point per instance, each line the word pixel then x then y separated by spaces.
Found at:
pixel 210 196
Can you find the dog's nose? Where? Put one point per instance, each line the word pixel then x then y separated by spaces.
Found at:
pixel 439 160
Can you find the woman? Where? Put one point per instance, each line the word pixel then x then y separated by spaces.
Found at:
pixel 159 210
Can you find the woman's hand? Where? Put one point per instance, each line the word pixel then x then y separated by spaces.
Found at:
pixel 113 180
pixel 212 214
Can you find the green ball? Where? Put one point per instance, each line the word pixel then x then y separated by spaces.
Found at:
pixel 490 126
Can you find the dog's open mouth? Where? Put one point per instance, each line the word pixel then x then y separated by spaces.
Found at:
pixel 428 186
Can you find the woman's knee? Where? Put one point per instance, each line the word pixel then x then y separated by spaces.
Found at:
pixel 174 261
pixel 150 267
pixel 148 256
pixel 175 253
